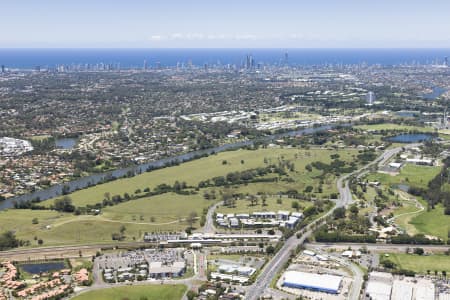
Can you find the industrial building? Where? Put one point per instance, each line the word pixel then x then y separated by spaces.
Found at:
pixel 379 286
pixel 316 282
pixel 383 286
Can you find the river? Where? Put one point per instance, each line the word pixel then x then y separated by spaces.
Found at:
pixel 94 179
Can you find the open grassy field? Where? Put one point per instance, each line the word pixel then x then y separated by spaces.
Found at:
pixel 420 263
pixel 164 208
pixel 412 175
pixel 166 212
pixel 433 222
pixel 405 214
pixel 62 228
pixel 243 206
pixel 206 168
pixel 392 126
pixel 149 292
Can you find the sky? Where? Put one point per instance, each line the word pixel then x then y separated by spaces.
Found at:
pixel 225 24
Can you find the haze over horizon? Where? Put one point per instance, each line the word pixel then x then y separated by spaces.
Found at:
pixel 230 24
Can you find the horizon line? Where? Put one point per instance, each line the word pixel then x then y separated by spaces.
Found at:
pixel 224 48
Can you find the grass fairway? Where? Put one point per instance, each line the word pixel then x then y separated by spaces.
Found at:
pixel 64 228
pixel 391 126
pixel 164 208
pixel 421 263
pixel 149 292
pixel 412 175
pixel 243 206
pixel 433 222
pixel 206 168
pixel 404 215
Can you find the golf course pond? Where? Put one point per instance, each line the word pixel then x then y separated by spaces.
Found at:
pixel 411 138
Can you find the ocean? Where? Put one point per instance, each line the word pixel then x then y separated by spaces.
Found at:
pixel 134 58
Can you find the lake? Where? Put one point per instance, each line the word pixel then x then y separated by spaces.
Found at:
pixel 65 143
pixel 42 267
pixel 411 138
pixel 407 114
pixel 437 91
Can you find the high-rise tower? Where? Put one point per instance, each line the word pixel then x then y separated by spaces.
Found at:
pixel 370 98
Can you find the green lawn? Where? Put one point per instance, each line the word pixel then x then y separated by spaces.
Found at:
pixel 407 212
pixel 244 206
pixel 433 222
pixel 391 126
pixel 149 292
pixel 206 168
pixel 412 175
pixel 164 208
pixel 420 263
pixel 70 229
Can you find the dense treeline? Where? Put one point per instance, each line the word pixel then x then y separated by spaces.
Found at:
pixel 335 236
pixel 8 241
pixel 418 239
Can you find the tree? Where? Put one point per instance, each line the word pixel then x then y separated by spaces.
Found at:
pixel 264 199
pixel 339 213
pixel 419 251
pixel 388 264
pixel 295 205
pixel 8 240
pixel 35 221
pixel 192 218
pixel 354 209
pixel 191 295
pixel 64 204
pixel 312 210
pixel 270 249
pixel 107 196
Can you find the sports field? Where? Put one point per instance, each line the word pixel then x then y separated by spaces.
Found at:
pixel 392 127
pixel 148 292
pixel 421 263
pixel 411 175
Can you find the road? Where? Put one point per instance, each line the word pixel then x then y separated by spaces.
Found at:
pixel 275 265
pixel 209 224
pixel 51 250
pixel 380 247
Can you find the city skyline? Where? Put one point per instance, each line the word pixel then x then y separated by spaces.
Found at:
pixel 231 24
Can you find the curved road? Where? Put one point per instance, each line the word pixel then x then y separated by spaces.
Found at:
pixel 209 224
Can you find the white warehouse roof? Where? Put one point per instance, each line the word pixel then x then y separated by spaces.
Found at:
pixel 378 290
pixel 402 290
pixel 319 282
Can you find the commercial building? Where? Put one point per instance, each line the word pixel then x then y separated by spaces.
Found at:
pixel 159 270
pixel 316 282
pixel 379 286
pixel 236 269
